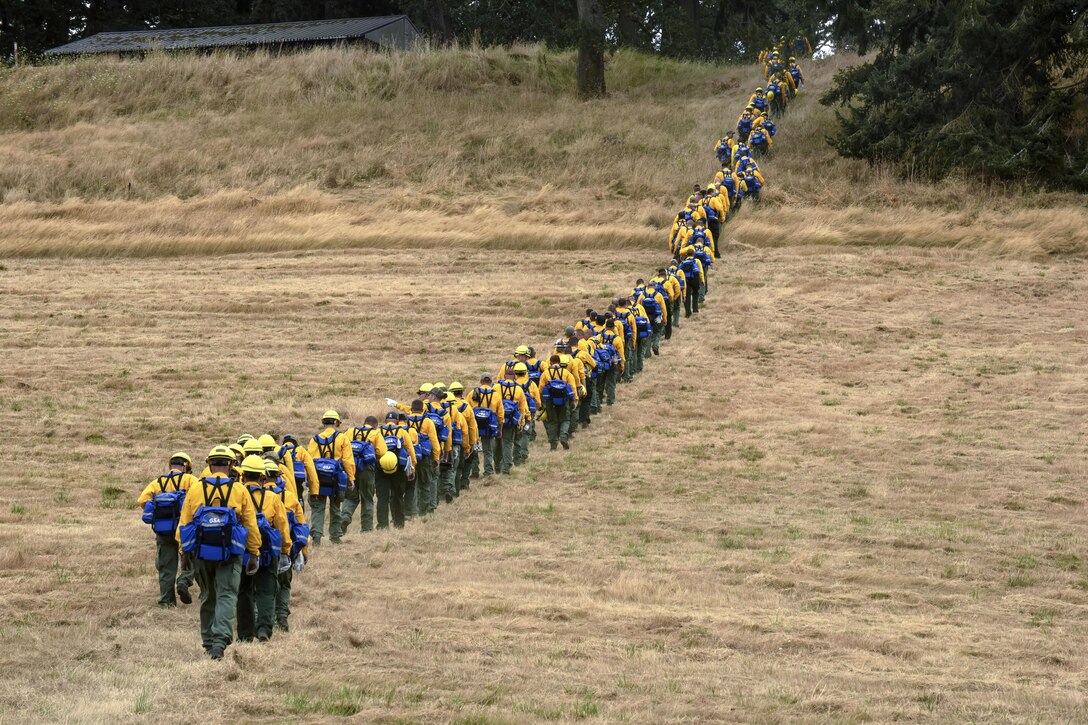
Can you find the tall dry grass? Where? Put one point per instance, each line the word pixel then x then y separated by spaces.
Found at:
pixel 468 147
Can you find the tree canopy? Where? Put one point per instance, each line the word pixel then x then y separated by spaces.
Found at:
pixel 997 87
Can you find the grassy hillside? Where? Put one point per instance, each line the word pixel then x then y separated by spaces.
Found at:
pixel 336 148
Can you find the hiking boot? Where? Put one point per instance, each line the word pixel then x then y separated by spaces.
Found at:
pixel 337 541
pixel 184 595
pixel 282 624
pixel 555 446
pixel 263 636
pixel 566 444
pixel 449 498
pixel 216 653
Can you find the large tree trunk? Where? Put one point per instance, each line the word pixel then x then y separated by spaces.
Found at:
pixel 627 30
pixel 590 49
pixel 439 21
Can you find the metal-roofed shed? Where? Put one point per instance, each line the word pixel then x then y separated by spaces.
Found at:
pixel 391 31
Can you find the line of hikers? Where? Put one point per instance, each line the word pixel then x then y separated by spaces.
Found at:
pixel 241 529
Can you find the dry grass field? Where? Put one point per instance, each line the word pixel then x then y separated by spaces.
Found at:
pixel 482 148
pixel 851 491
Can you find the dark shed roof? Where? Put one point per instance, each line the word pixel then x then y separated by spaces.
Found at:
pixel 235 35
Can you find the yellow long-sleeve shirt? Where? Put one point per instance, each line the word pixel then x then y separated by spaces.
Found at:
pixel 487 397
pixel 557 372
pixel 509 390
pixel 291 503
pixel 267 502
pixel 406 440
pixel 463 407
pixel 424 428
pixel 291 454
pixel 219 490
pixel 372 436
pixel 173 481
pixel 341 451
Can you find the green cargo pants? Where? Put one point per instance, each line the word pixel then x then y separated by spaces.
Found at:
pixel 218 582
pixel 466 469
pixel 509 441
pixel 655 337
pixel 610 379
pixel 449 473
pixel 487 455
pixel 166 562
pixel 283 595
pixel 643 352
pixel 630 363
pixel 558 423
pixel 390 488
pixel 360 497
pixel 257 604
pixel 317 517
pixel 426 485
pixel 521 449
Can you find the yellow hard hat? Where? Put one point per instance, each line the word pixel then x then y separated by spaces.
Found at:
pixel 266 441
pixel 271 467
pixel 456 387
pixel 450 398
pixel 521 368
pixel 220 453
pixel 236 449
pixel 330 415
pixel 426 388
pixel 252 446
pixel 521 350
pixel 759 89
pixel 183 456
pixel 770 95
pixel 564 360
pixel 439 385
pixel 388 462
pixel 253 464
pixel 243 438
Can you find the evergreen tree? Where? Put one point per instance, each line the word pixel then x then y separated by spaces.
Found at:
pixel 987 86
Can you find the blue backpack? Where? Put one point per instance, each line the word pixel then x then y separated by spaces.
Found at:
pixel 704 257
pixel 558 392
pixel 424 447
pixel 297 466
pixel 300 532
pixel 534 372
pixel 643 326
pixel 510 409
pixel 396 445
pixel 486 420
pixel 770 128
pixel 164 508
pixel 361 448
pixel 438 417
pixel 760 102
pixel 690 269
pixel 271 538
pixel 627 331
pixel 458 434
pixel 744 125
pixel 331 476
pixel 530 400
pixel 653 310
pixel 758 137
pixel 215 533
pixel 603 359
